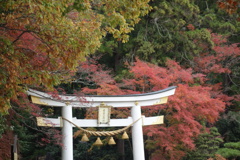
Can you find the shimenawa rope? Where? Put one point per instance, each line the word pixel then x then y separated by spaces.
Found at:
pixel 102 133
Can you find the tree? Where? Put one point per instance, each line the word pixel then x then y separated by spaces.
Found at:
pixel 221 62
pixel 43 41
pixel 229 125
pixel 192 104
pixel 33 141
pixel 207 145
pixel 230 6
pixel 184 111
pixel 201 94
pixel 157 37
pixel 231 150
pixel 173 29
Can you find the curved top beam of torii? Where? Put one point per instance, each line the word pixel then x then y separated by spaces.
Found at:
pixel 145 99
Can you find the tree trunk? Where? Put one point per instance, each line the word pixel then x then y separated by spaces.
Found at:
pixel 121 151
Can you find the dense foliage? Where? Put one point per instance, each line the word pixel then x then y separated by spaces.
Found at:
pixel 103 48
pixel 43 41
pixel 207 145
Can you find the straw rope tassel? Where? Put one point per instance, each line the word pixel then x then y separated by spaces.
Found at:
pixel 102 133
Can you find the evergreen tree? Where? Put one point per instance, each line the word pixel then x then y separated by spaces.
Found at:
pixel 207 145
pixel 231 150
pixel 229 126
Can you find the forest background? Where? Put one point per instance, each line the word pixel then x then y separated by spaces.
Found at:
pixel 123 47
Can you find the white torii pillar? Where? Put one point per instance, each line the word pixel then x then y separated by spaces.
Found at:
pixel 137 134
pixel 67 132
pixel 135 101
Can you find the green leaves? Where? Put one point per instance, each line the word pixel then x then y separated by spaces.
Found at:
pixel 229 152
pixel 42 41
pixel 206 145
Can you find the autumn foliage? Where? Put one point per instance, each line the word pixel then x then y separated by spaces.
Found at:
pixel 43 41
pixel 192 104
pixel 230 6
pixel 39 45
pixel 222 60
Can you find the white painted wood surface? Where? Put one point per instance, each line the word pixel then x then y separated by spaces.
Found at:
pixel 147 99
pixel 67 133
pixel 57 122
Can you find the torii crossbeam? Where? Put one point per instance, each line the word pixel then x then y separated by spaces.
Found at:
pixel 134 101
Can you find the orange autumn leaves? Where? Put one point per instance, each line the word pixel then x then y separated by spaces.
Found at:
pixel 230 6
pixel 42 42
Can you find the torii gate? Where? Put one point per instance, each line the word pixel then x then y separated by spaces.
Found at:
pixel 135 101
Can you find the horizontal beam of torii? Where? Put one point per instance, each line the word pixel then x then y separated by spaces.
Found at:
pixel 145 99
pixel 57 122
pixel 134 101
